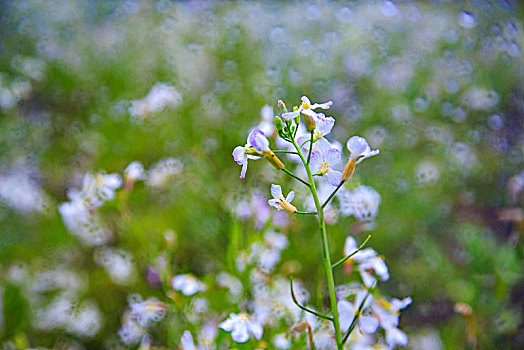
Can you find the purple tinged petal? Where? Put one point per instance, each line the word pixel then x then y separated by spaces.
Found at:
pixel 333 156
pixel 316 161
pixel 368 324
pixel 244 169
pixel 276 191
pixel 334 177
pixel 290 197
pixel 290 115
pixel 239 155
pixel 258 141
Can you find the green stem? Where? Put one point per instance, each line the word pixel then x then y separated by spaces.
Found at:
pixel 306 213
pixel 332 194
pixel 357 316
pixel 310 148
pixel 295 177
pixel 341 261
pixel 318 314
pixel 325 249
pixel 280 151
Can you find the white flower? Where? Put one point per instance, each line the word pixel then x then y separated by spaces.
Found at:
pixel 388 312
pixel 146 312
pixel 134 172
pixel 395 337
pixel 241 156
pixel 307 108
pixel 324 126
pixel 159 97
pixel 188 284
pixel 359 149
pixel 324 159
pixel 162 171
pixel 361 202
pixel 368 262
pixel 347 310
pixel 279 201
pixel 96 189
pixel 241 327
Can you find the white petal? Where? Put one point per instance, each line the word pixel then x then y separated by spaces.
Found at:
pixel 290 196
pixel 290 115
pixel 240 334
pixel 334 177
pixel 368 324
pixel 276 191
pixel 255 329
pixel 187 341
pixel 395 337
pixel 350 245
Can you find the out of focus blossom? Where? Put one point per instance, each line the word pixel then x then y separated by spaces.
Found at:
pixel 188 284
pixel 160 96
pixel 241 327
pixel 362 202
pixel 161 172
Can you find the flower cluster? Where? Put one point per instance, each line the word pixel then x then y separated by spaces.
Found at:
pixel 320 158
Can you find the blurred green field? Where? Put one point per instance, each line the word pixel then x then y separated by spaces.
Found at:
pixel 437 86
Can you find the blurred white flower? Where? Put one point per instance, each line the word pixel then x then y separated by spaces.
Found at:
pixel 162 171
pixel 188 284
pixel 134 172
pixel 146 312
pixel 369 262
pixel 160 96
pixel 362 202
pixel 241 327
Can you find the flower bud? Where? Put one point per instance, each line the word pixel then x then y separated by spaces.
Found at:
pixel 282 105
pixel 311 124
pixel 278 125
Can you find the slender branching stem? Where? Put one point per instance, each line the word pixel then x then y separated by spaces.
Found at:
pixel 357 315
pixel 325 250
pixel 303 143
pixel 341 261
pixel 318 314
pixel 310 148
pixel 296 177
pixel 306 213
pixel 282 151
pixel 332 194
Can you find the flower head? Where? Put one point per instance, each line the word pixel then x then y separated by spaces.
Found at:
pixel 307 108
pixel 359 149
pixel 241 156
pixel 279 201
pixel 362 202
pixel 323 159
pixel 146 312
pixel 369 263
pixel 241 327
pixel 258 141
pixel 324 126
pixel 188 284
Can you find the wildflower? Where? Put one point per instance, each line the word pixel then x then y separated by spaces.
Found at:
pixel 323 160
pixel 241 156
pixel 347 311
pixel 279 201
pixel 188 284
pixel 162 171
pixel 159 97
pixel 147 312
pixel 306 108
pixel 96 189
pixel 359 150
pixel 258 141
pixel 388 316
pixel 323 127
pixel 241 327
pixel 134 172
pixel 362 202
pixel 368 262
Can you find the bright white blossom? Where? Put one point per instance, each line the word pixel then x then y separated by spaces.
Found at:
pixel 279 201
pixel 359 149
pixel 324 126
pixel 241 327
pixel 324 159
pixel 188 284
pixel 134 172
pixel 307 108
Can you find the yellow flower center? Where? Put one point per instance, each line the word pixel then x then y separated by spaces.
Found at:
pixel 244 317
pixel 324 169
pixel 305 105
